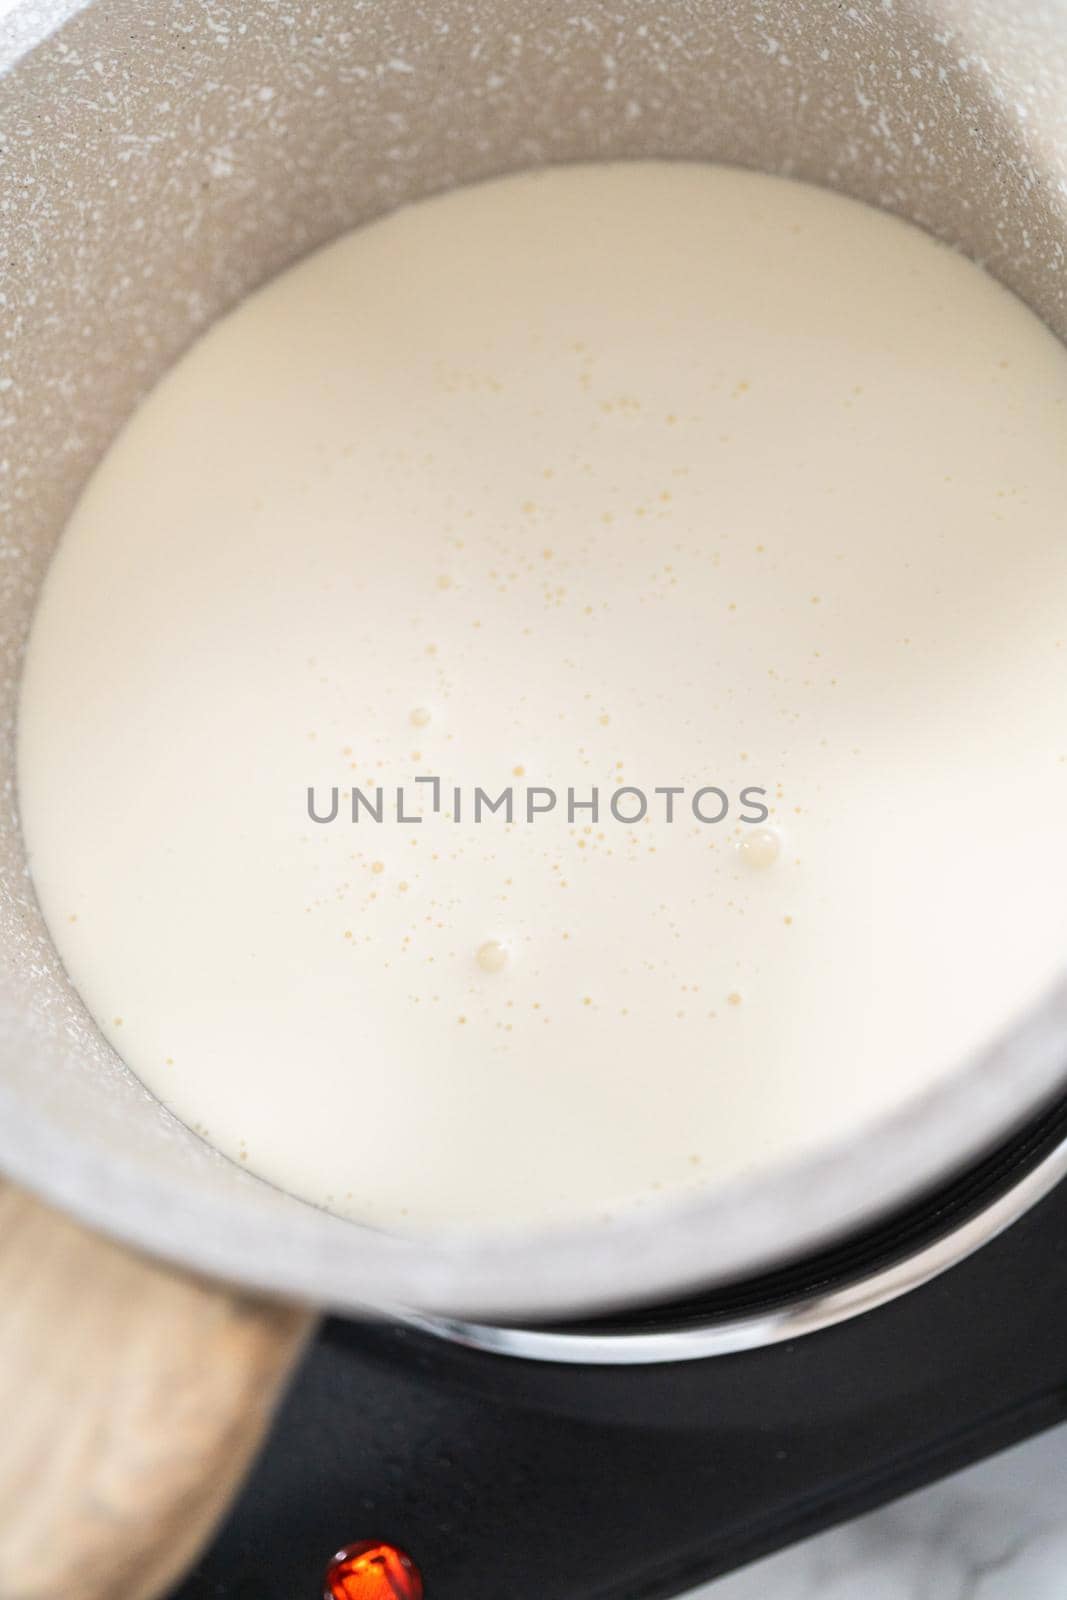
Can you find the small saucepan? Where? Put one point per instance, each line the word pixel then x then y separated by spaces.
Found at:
pixel 145 188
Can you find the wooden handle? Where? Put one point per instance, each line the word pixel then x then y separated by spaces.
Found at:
pixel 132 1401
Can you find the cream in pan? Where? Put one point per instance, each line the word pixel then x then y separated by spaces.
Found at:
pixel 630 477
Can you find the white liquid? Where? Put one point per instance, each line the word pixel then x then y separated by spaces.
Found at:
pixel 666 474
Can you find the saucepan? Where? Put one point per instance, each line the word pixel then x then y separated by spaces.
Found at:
pixel 160 159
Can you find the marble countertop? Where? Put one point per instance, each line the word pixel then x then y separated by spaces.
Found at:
pixel 997 1531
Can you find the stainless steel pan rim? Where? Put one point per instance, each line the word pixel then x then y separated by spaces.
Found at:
pixel 807 1314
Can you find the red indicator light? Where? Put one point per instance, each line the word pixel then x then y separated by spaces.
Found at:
pixel 372 1571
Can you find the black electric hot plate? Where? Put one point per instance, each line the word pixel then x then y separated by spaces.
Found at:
pixel 516 1480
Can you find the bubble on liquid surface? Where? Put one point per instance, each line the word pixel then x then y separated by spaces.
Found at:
pixel 761 848
pixel 493 956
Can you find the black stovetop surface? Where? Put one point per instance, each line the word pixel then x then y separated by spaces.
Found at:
pixel 516 1481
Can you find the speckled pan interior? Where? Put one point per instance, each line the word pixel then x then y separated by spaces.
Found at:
pixel 160 158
